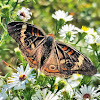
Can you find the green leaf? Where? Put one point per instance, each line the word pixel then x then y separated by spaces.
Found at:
pixel 61 84
pixel 86 80
pixel 42 80
pixel 7 75
pixel 21 58
pixel 28 92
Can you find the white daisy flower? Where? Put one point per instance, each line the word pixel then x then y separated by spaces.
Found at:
pixel 74 83
pixel 98 29
pixel 19 79
pixel 3 94
pixel 87 93
pixel 91 31
pixel 97 76
pixel 60 14
pixel 97 39
pixel 17 49
pixel 44 94
pixel 75 80
pixel 67 89
pixel 57 80
pixel 24 14
pixel 90 39
pixel 69 30
pixel 76 76
pixel 92 36
pixel 71 83
pixel 16 98
pixel 89 48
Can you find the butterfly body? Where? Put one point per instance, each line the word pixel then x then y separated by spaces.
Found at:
pixel 53 58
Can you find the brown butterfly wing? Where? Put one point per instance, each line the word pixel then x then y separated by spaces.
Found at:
pixel 73 61
pixel 30 39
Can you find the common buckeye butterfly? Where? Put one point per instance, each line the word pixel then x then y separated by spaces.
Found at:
pixel 53 58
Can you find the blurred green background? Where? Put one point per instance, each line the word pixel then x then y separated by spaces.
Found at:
pixel 85 13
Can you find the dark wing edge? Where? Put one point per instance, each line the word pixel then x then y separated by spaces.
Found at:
pixel 17 26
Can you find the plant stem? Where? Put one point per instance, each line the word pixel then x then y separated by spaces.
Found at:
pixel 7 2
pixel 15 6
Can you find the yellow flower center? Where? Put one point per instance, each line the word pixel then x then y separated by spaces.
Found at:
pixel 56 87
pixel 78 75
pixel 22 77
pixel 84 28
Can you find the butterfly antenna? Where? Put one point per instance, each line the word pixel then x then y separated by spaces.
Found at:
pixel 9 66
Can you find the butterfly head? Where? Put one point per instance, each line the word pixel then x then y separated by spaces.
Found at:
pixel 49 41
pixel 52 35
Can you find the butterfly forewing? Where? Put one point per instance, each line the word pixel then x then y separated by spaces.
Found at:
pixel 29 38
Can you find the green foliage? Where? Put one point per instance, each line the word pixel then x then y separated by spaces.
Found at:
pixel 27 93
pixel 61 84
pixel 42 80
pixel 85 80
pixel 66 96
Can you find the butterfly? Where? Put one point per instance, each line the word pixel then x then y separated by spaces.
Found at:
pixel 53 58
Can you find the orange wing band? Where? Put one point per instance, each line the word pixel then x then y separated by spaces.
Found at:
pixel 53 71
pixel 70 52
pixel 37 34
pixel 64 68
pixel 65 48
pixel 34 62
pixel 33 33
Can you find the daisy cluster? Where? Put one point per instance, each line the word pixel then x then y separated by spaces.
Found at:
pixel 92 36
pixel 17 80
pixel 26 78
pixel 71 33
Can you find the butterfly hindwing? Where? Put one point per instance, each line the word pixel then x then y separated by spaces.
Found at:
pixel 74 62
